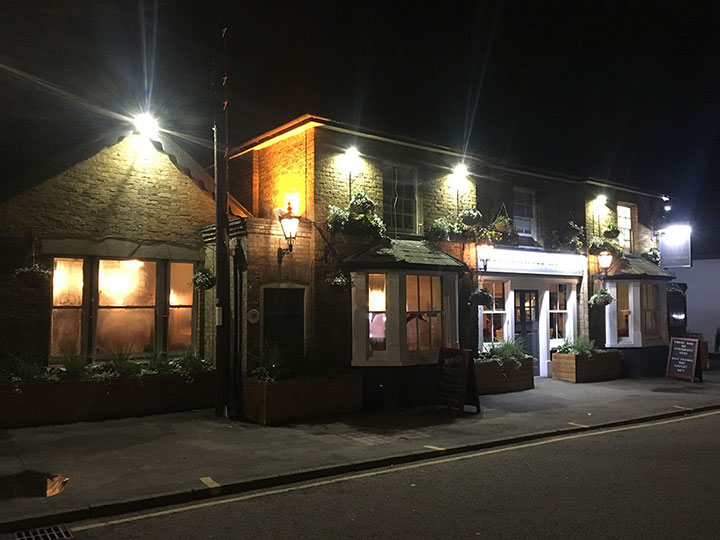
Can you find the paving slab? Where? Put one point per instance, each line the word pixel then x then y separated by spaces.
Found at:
pixel 129 464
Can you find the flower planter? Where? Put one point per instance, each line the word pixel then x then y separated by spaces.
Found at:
pixel 602 366
pixel 269 403
pixel 495 378
pixel 61 402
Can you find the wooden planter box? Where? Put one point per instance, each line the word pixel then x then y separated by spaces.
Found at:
pixel 62 402
pixel 602 366
pixel 493 378
pixel 269 403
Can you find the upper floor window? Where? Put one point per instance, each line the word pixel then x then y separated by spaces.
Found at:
pixel 625 224
pixel 524 221
pixel 400 199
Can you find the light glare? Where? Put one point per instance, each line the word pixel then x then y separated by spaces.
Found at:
pixel 146 125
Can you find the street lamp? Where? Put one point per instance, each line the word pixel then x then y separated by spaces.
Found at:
pixel 289 223
pixel 484 252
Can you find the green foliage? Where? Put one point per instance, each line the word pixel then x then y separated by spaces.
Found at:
pixel 122 365
pixel 444 229
pixel 470 217
pixel 358 218
pixel 159 363
pixel 502 223
pixel 73 368
pixel 611 230
pixel 204 279
pixel 569 237
pixel 482 297
pixel 25 368
pixel 580 345
pixel 278 363
pixel 601 298
pixel 652 255
pixel 598 244
pixel 274 364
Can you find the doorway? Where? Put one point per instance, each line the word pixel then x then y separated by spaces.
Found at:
pixel 284 319
pixel 526 324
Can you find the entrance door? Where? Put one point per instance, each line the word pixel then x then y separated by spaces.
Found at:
pixel 526 324
pixel 284 319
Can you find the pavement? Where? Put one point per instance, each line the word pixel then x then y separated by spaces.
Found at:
pixel 120 466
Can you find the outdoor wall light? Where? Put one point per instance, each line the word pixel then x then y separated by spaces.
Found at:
pixel 605 259
pixel 484 252
pixel 667 207
pixel 352 165
pixel 289 223
pixel 458 181
pixel 146 125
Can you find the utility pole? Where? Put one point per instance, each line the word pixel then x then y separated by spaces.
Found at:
pixel 223 313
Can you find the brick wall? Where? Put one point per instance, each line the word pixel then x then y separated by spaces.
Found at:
pixel 127 191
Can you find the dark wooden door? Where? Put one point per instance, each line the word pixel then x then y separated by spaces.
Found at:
pixel 526 324
pixel 284 319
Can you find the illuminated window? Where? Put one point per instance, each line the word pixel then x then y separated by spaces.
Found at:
pixel 423 312
pixel 624 218
pixel 376 312
pixel 524 222
pixel 558 310
pixel 493 318
pixel 66 316
pixel 181 304
pixel 400 200
pixel 623 310
pixel 650 299
pixel 126 312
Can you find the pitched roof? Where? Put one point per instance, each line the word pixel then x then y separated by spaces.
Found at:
pixel 410 254
pixel 635 267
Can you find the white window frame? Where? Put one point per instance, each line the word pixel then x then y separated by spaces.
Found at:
pixel 625 224
pixel 636 338
pixel 396 351
pixel 390 179
pixel 484 346
pixel 557 341
pixel 533 221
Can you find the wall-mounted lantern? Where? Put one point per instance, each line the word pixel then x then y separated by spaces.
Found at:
pixel 484 252
pixel 289 223
pixel 605 259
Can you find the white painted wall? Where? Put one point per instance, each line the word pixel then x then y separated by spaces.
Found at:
pixel 703 296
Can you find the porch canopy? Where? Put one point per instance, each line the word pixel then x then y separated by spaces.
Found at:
pixel 637 268
pixel 404 254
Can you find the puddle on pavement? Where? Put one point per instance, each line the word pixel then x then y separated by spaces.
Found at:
pixel 29 484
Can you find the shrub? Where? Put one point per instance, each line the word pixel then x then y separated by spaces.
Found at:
pixel 580 345
pixel 74 368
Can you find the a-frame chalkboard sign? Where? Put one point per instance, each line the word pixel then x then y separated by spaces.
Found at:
pixel 456 385
pixel 683 359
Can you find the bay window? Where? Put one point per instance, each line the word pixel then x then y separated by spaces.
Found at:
pixel 635 318
pixel 423 312
pixel 66 315
pixel 110 306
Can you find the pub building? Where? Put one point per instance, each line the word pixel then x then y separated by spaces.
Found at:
pixel 142 222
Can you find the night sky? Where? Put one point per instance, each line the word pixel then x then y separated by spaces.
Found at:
pixel 626 91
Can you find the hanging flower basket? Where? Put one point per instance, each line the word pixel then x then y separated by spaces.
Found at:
pixel 601 298
pixel 33 276
pixel 502 224
pixel 204 279
pixel 470 217
pixel 611 231
pixel 361 203
pixel 482 297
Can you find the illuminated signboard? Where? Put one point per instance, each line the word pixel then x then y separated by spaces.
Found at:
pixel 517 261
pixel 674 244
